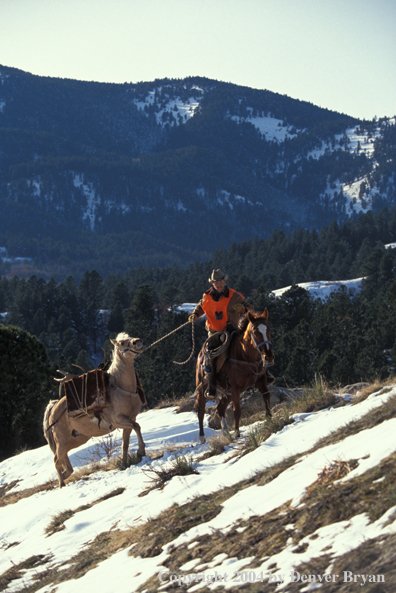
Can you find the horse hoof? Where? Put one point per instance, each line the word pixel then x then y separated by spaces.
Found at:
pixel 202 440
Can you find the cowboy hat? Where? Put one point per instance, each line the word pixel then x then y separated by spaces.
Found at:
pixel 217 276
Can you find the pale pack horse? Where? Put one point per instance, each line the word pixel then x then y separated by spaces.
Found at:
pixel 64 432
pixel 249 354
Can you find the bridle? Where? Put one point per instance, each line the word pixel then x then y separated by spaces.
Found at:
pixel 263 343
pixel 129 349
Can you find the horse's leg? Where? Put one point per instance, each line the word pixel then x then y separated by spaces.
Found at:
pixel 221 411
pixel 62 465
pixel 59 467
pixel 141 452
pixel 67 467
pixel 122 421
pixel 126 433
pixel 61 457
pixel 262 386
pixel 237 412
pixel 199 407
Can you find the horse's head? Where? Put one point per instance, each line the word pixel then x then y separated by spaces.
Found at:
pixel 260 335
pixel 126 346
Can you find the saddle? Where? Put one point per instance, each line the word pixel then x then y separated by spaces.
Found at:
pixel 215 348
pixel 90 392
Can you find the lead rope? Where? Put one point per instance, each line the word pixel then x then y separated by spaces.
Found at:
pixel 193 345
pixel 167 336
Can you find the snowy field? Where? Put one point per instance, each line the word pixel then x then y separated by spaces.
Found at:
pixel 23 524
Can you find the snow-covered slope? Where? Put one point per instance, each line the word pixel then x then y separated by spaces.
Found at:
pixel 23 524
pixel 322 289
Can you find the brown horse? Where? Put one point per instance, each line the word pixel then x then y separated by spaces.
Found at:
pixel 64 432
pixel 249 354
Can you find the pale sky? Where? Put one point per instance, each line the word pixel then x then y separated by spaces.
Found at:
pixel 338 54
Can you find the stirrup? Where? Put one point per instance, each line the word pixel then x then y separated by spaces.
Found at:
pixel 209 395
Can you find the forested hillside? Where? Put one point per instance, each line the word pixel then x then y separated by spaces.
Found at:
pixel 345 339
pixel 114 176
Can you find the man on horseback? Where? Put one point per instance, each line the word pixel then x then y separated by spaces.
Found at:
pixel 223 308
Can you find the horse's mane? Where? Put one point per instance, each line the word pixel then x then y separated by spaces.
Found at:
pixel 117 362
pixel 122 336
pixel 244 320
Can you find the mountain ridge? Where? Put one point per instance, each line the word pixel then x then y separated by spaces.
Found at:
pixel 195 163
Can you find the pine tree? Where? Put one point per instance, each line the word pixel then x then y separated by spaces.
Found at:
pixel 91 293
pixel 140 319
pixel 26 386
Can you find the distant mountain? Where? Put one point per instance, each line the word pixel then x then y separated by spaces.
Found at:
pixel 110 176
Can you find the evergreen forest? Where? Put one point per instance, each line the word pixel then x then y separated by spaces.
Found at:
pixel 110 177
pixel 345 339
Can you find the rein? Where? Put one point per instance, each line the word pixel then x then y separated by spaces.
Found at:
pixel 263 343
pixel 254 365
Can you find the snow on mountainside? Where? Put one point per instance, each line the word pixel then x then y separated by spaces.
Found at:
pixel 162 162
pixel 112 531
pixel 323 289
pixel 271 128
pixel 359 194
pixel 173 110
pixel 320 290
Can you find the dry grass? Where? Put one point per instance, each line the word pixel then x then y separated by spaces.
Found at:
pixel 58 521
pixel 374 557
pixel 373 418
pixel 327 500
pixel 371 388
pixel 179 466
pixel 18 571
pixel 13 497
pixel 4 488
pixel 217 445
pixel 179 402
pixel 314 398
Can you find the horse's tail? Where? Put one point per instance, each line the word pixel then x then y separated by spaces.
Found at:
pixel 48 433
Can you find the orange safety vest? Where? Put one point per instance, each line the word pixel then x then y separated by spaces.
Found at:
pixel 216 312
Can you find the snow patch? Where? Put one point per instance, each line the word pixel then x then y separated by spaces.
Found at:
pixel 92 199
pixel 271 128
pixel 323 289
pixel 173 111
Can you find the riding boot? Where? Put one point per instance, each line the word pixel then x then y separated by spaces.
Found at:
pixel 210 375
pixel 211 390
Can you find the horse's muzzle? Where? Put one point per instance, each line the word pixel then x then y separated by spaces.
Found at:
pixel 135 347
pixel 268 358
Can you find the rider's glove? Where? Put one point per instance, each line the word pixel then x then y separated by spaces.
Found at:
pixel 239 307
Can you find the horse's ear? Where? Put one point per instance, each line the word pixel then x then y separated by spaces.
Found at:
pixel 250 317
pixel 265 313
pixel 113 342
